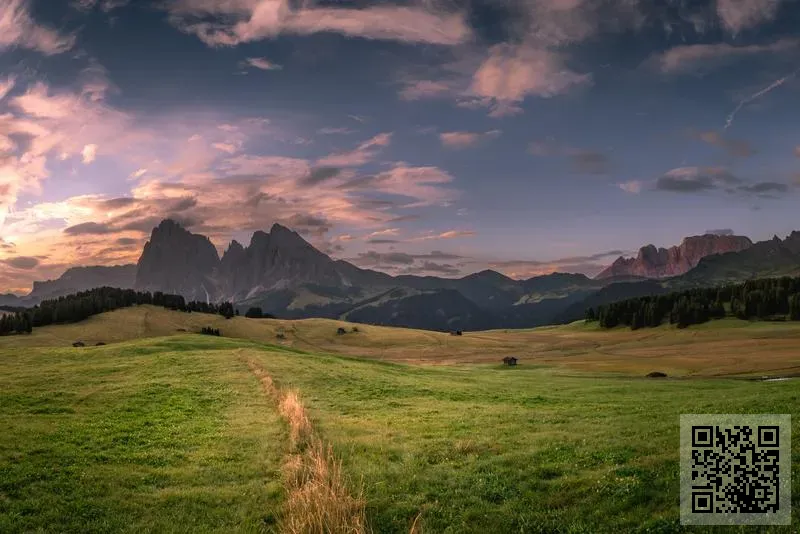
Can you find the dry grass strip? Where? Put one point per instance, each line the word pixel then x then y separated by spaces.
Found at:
pixel 318 500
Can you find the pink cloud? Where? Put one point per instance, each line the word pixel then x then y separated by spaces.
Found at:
pixel 262 63
pixel 18 29
pixel 738 15
pixel 512 73
pixel 364 153
pixel 459 140
pixel 423 89
pixel 244 21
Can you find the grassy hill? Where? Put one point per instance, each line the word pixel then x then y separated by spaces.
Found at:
pixel 726 347
pixel 174 433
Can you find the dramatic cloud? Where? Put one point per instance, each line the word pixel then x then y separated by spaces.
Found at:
pixel 731 146
pixel 695 179
pixel 261 63
pixel 465 139
pixel 18 29
pixel 231 23
pixel 703 57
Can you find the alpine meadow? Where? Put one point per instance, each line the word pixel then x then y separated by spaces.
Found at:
pixel 399 266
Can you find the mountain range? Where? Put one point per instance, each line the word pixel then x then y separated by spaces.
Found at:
pixel 286 276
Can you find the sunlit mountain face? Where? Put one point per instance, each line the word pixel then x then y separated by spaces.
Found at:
pixel 417 137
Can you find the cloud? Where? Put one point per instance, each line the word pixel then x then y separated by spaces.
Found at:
pixel 318 175
pixel 764 189
pixel 18 29
pixel 387 231
pixel 431 268
pixel 731 146
pixel 335 131
pixel 21 262
pixel 797 151
pixel 695 179
pixel 230 148
pixel 420 183
pixel 105 5
pixel 139 173
pixel 738 15
pixel 88 228
pixel 634 187
pixel 459 140
pixel 374 259
pixel 722 231
pixel 364 153
pixel 6 85
pixel 261 63
pixel 89 153
pixel 450 234
pixel 589 265
pixel 383 241
pixel 423 89
pixel 512 73
pixel 694 58
pixel 231 23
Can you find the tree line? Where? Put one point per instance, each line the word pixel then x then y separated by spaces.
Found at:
pixel 765 299
pixel 82 305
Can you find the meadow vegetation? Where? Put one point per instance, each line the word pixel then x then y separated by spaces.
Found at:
pixel 181 432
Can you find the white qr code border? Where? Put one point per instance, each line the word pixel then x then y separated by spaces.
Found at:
pixel 727 421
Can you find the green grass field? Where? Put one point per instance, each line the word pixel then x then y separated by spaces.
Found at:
pixel 175 434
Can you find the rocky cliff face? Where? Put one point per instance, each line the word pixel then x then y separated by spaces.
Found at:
pixel 78 279
pixel 177 261
pixel 274 260
pixel 652 262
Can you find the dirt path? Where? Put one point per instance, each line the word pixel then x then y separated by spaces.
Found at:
pixel 317 497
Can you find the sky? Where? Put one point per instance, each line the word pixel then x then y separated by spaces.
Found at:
pixel 436 137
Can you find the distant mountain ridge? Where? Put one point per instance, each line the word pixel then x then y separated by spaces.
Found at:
pixel 286 276
pixel 652 262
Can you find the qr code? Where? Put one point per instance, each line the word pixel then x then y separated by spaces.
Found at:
pixel 735 469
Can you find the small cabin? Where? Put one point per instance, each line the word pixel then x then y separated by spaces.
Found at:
pixel 510 361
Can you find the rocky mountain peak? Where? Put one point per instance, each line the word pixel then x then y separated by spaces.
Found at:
pixel 177 261
pixel 652 262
